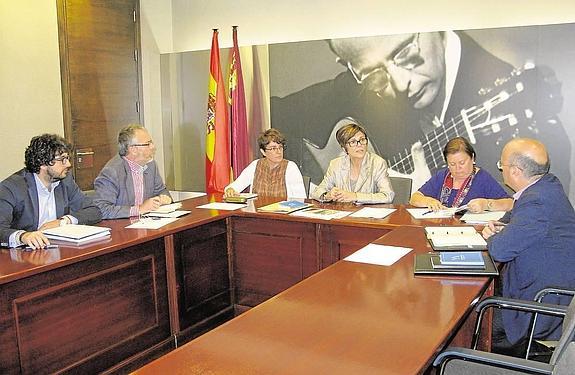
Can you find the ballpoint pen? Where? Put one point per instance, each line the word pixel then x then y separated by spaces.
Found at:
pixel 427 212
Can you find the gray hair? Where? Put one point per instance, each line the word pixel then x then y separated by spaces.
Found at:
pixel 529 166
pixel 126 137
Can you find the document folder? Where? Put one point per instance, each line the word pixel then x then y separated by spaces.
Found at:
pixel 424 265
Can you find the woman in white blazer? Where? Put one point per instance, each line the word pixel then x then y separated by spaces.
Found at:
pixel 359 175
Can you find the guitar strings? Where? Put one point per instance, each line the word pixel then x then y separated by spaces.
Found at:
pixel 453 128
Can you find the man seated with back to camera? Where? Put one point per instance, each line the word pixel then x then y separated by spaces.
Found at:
pixel 534 241
pixel 43 195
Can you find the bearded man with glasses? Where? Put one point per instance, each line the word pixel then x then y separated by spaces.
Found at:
pixel 43 195
pixel 413 92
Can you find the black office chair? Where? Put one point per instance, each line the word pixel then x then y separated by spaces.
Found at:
pixel 547 346
pixel 470 361
pixel 402 188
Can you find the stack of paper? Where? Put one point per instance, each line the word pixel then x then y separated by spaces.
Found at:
pixel 455 238
pixel 77 233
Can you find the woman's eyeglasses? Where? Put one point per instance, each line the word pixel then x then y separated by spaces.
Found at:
pixel 276 148
pixel 356 142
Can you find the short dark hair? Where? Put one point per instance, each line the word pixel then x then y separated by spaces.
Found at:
pixel 43 149
pixel 458 144
pixel 126 136
pixel 346 132
pixel 271 135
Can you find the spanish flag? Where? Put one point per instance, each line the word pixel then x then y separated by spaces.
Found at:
pixel 218 167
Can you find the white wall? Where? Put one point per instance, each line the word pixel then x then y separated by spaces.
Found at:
pixel 265 22
pixel 30 91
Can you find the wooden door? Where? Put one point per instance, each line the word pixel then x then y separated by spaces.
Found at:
pixel 101 85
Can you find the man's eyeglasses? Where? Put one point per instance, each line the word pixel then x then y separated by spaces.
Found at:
pixel 147 144
pixel 62 158
pixel 500 165
pixel 355 142
pixel 276 148
pixel 378 79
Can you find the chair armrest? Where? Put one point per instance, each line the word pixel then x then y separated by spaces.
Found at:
pixel 493 359
pixel 559 291
pixel 521 305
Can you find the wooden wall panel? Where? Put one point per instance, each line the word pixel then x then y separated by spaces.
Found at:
pixel 339 241
pixel 270 256
pixel 202 264
pixel 88 316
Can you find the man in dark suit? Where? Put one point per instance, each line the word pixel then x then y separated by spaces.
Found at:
pixel 427 88
pixel 536 244
pixel 43 195
pixel 130 183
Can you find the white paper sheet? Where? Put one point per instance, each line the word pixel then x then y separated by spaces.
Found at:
pixel 482 217
pixel 151 223
pixel 182 195
pixel 321 213
pixel 425 213
pixel 167 208
pixel 378 254
pixel 222 206
pixel 176 213
pixel 373 212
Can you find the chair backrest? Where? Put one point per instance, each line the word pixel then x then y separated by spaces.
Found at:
pixel 306 183
pixel 566 362
pixel 402 188
pixel 568 331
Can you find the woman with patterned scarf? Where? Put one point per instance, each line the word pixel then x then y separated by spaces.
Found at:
pixel 461 183
pixel 272 175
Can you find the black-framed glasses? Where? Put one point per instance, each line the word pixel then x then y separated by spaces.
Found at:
pixel 500 165
pixel 276 148
pixel 62 158
pixel 356 142
pixel 147 144
pixel 378 79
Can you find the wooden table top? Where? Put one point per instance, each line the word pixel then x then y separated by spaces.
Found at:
pixel 350 318
pixel 17 264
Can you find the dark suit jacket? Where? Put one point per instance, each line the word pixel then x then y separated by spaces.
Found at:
pixel 19 203
pixel 538 249
pixel 115 187
pixel 393 126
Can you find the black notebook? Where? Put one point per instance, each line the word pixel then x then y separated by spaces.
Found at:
pixel 430 264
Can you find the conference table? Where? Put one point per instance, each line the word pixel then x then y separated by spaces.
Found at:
pixel 249 292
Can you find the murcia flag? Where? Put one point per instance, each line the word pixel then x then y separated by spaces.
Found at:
pixel 239 123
